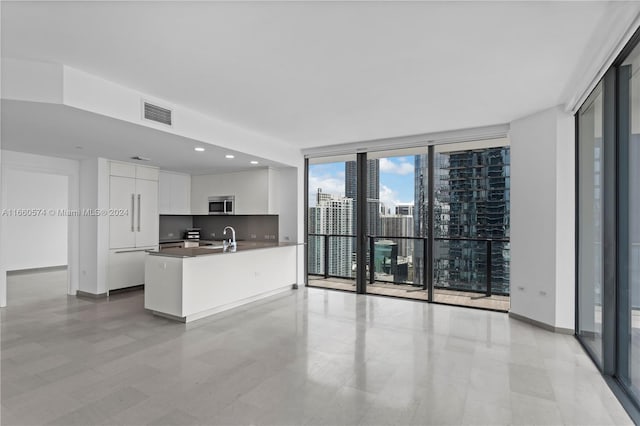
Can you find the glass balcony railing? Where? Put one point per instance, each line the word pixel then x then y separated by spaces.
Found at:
pixel 332 255
pixel 477 265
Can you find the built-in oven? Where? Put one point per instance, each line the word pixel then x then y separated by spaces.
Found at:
pixel 222 204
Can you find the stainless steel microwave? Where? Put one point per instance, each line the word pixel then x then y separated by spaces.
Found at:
pixel 222 204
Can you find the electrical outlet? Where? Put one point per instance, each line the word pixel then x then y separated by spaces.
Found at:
pixel 213 235
pixel 170 234
pixel 286 238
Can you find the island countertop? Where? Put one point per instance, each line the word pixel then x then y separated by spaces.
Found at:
pixel 207 251
pixel 186 284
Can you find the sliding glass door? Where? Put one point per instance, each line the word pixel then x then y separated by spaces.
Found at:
pixel 629 223
pixel 434 223
pixel 397 184
pixel 590 207
pixel 332 223
pixel 608 226
pixel 472 224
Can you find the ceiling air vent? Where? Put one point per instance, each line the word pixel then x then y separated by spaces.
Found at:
pixel 157 114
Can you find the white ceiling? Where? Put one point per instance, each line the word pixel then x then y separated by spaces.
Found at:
pixel 60 131
pixel 323 73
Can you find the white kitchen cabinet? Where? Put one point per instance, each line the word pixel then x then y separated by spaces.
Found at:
pixel 138 198
pixel 250 188
pixel 122 198
pixel 126 268
pixel 133 222
pixel 148 226
pixel 174 193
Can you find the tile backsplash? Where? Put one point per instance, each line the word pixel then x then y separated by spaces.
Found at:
pixel 248 227
pixel 172 227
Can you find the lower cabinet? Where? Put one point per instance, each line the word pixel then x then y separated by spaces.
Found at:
pixel 126 268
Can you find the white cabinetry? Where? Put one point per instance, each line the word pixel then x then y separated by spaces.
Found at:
pixel 250 188
pixel 133 222
pixel 174 193
pixel 122 197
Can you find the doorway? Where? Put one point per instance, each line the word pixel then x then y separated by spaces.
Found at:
pixel 40 223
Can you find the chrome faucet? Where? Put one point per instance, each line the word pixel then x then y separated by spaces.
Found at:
pixel 231 244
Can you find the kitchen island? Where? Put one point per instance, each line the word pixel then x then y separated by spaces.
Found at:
pixel 187 284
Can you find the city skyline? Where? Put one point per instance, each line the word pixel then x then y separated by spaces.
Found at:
pixel 396 180
pixel 471 200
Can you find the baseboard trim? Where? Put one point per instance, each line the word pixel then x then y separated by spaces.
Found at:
pixel 87 295
pixel 543 325
pixel 37 270
pixel 126 289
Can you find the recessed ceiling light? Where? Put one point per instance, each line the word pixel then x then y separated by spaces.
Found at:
pixel 254 162
pixel 229 156
pixel 199 149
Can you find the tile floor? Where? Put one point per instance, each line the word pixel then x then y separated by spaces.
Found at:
pixel 305 357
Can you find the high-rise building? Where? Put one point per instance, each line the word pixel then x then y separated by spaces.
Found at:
pixel 471 192
pixel 331 215
pixel 420 222
pixel 474 186
pixel 399 226
pixel 404 209
pixel 373 192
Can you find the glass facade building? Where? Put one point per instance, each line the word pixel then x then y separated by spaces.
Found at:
pixel 471 200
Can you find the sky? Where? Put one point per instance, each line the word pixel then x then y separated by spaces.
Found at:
pixel 396 180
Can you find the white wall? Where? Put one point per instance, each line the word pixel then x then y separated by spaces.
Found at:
pixel 300 172
pixel 565 229
pixel 31 81
pixel 251 189
pixel 52 83
pixel 36 241
pixel 3 268
pixel 34 181
pixel 274 191
pixel 94 194
pixel 92 93
pixel 88 226
pixel 286 193
pixel 542 218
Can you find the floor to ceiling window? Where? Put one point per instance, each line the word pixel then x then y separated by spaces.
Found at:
pixel 395 250
pixel 472 224
pixel 461 188
pixel 331 222
pixel 608 226
pixel 590 155
pixel 629 222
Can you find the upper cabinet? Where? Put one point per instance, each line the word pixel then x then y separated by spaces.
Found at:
pixel 174 193
pixel 133 204
pixel 250 188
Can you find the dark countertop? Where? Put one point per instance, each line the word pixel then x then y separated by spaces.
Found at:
pixel 183 240
pixel 202 251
